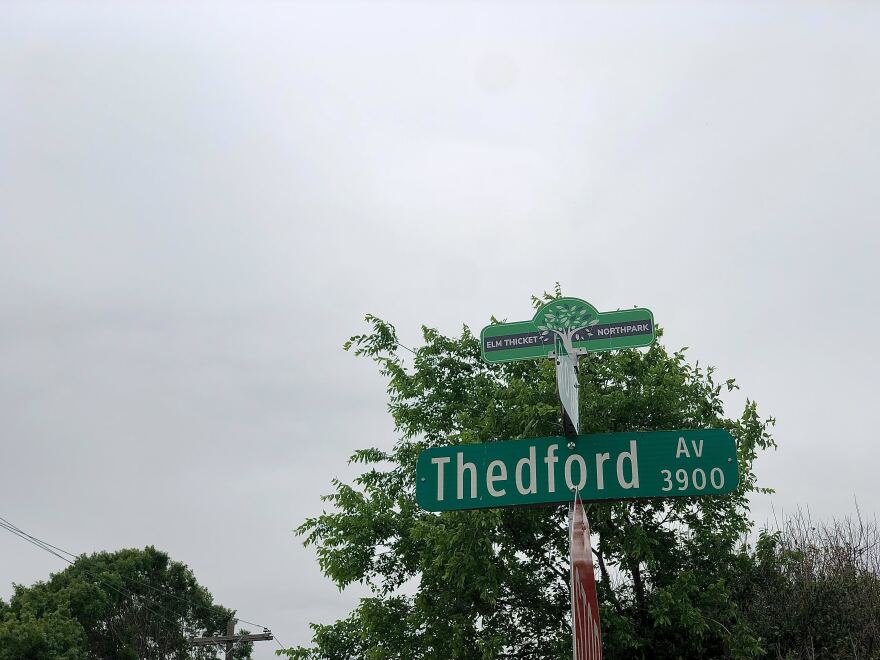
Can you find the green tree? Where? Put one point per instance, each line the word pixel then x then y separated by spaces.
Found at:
pixel 130 604
pixel 494 583
pixel 564 319
pixel 812 589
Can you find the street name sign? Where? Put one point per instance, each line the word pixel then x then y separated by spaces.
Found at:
pixel 605 466
pixel 567 326
pixel 586 633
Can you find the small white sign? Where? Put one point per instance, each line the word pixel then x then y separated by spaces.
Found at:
pixel 567 384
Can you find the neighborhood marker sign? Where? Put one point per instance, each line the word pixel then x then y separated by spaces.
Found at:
pixel 605 466
pixel 585 629
pixel 567 326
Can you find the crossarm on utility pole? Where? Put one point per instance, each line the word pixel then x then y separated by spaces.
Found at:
pixel 230 639
pixel 222 639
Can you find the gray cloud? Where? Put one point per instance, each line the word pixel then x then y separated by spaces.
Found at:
pixel 198 203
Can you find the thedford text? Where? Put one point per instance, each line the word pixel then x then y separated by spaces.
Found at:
pixel 607 466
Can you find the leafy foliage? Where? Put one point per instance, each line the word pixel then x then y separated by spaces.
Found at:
pixel 130 604
pixel 564 318
pixel 494 583
pixel 812 590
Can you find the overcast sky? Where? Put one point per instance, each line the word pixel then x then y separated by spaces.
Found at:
pixel 199 203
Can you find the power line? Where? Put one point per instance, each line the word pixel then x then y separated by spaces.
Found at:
pixel 283 646
pixel 30 539
pixel 55 550
pixel 47 547
pixel 4 522
pixel 2 519
pixel 8 526
pixel 130 578
pixel 18 530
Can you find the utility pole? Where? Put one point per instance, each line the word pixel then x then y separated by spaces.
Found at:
pixel 230 638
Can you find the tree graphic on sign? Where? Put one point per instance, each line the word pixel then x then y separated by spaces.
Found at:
pixel 565 319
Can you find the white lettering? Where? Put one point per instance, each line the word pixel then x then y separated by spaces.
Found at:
pixel 633 457
pixel 491 478
pixel 533 474
pixel 583 469
pixel 600 470
pixel 551 460
pixel 462 466
pixel 682 449
pixel 698 449
pixel 440 461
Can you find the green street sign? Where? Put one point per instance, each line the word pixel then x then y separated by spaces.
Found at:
pixel 567 326
pixel 606 466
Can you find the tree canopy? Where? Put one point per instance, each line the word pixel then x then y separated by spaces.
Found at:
pixel 130 604
pixel 494 583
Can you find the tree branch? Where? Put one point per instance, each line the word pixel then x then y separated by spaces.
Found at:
pixel 606 579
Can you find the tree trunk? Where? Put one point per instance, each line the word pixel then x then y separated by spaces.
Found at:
pixel 639 590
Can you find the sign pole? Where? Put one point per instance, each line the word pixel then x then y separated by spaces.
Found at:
pixel 586 631
pixel 586 634
pixel 604 466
